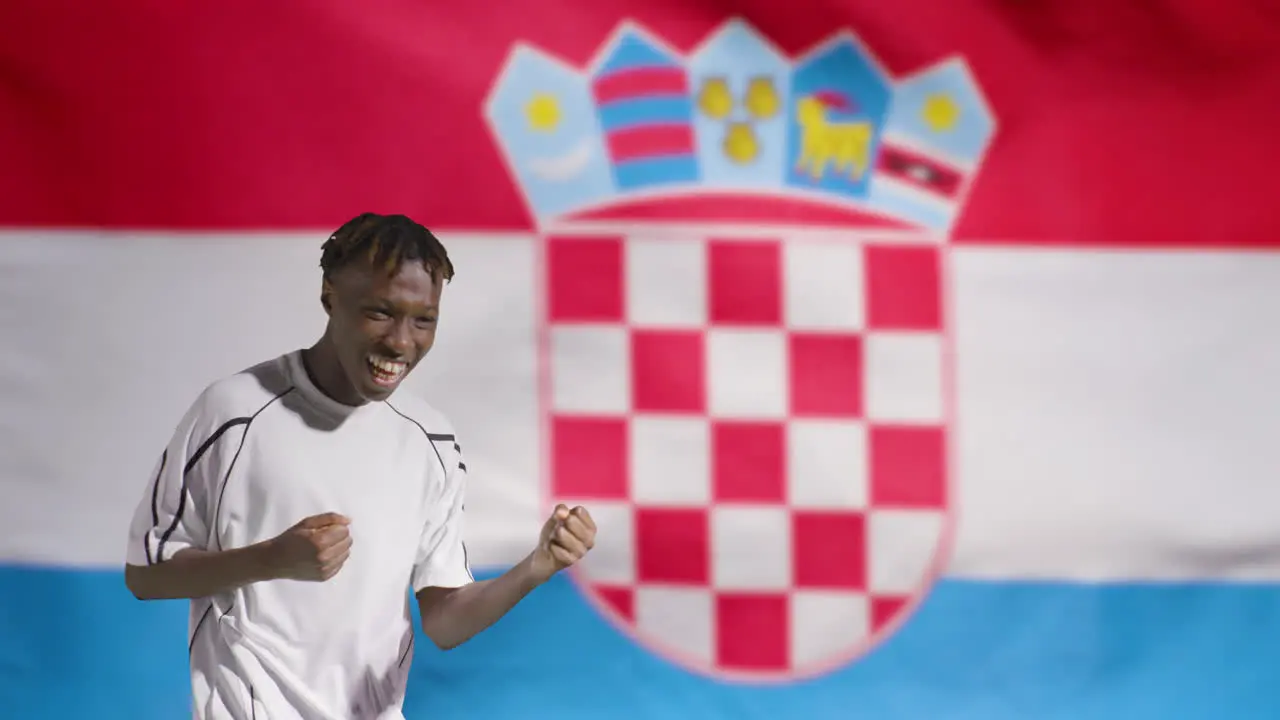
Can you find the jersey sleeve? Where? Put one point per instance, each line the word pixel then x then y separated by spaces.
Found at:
pixel 442 554
pixel 173 512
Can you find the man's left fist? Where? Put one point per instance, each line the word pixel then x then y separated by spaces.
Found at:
pixel 567 537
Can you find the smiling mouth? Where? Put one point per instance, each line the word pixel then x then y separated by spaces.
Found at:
pixel 386 372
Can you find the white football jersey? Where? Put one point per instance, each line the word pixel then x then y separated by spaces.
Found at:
pixel 257 452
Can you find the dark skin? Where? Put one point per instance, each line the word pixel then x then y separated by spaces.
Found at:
pixel 391 315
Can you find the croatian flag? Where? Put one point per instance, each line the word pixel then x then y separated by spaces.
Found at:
pixel 916 361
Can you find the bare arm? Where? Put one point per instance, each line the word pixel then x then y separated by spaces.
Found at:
pixel 452 616
pixel 198 573
pixel 314 549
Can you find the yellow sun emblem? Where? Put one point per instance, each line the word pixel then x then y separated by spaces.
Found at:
pixel 543 112
pixel 940 112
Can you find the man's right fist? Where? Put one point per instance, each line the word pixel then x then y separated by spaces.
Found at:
pixel 314 549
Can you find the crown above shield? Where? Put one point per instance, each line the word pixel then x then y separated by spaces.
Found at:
pixel 734 124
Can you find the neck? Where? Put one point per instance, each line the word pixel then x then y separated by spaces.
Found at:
pixel 321 364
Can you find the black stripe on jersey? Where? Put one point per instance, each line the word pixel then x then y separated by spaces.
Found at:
pixel 458 449
pixel 155 507
pixel 195 458
pixel 199 624
pixel 431 440
pixel 405 654
pixel 182 490
pixel 226 477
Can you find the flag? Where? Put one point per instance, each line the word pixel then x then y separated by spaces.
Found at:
pixel 914 360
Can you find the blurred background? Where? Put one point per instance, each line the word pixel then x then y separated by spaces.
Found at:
pixel 919 360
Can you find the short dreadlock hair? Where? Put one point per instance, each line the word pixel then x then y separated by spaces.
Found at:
pixel 387 240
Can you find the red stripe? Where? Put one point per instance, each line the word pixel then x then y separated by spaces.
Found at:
pixel 640 82
pixel 650 141
pixel 1118 126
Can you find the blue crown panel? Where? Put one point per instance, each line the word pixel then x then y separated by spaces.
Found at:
pixel 835 118
pixel 740 86
pixel 544 116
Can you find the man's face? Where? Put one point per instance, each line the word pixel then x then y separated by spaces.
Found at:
pixel 382 323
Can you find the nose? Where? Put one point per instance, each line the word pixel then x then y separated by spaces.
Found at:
pixel 399 339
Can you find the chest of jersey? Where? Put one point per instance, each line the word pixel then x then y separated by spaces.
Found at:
pixel 377 469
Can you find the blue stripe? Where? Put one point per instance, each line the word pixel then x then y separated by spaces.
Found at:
pixel 669 170
pixel 652 110
pixel 76 644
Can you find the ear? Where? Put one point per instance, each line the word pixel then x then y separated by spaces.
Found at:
pixel 326 296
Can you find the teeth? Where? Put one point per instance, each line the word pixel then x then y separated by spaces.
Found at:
pixel 390 367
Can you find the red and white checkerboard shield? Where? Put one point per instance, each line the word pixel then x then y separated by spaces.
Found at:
pixel 757 419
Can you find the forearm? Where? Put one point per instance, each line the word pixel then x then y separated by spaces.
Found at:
pixel 198 573
pixel 460 614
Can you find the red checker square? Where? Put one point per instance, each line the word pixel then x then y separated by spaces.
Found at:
pixel 745 280
pixel 589 458
pixel 667 371
pixel 672 545
pixel 749 461
pixel 621 599
pixel 904 288
pixel 752 631
pixel 584 282
pixel 884 608
pixel 829 550
pixel 908 467
pixel 826 375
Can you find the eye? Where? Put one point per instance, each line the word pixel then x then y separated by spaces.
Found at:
pixel 377 314
pixel 426 321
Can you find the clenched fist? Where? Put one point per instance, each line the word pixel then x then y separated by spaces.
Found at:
pixel 566 538
pixel 314 549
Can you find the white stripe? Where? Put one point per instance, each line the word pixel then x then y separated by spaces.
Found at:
pixel 1118 414
pixel 108 338
pixel 1117 411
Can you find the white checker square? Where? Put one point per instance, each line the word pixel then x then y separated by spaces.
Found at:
pixel 823 286
pixel 747 373
pixel 827 626
pixel 903 376
pixel 670 461
pixel 750 548
pixel 666 282
pixel 680 620
pixel 590 369
pixel 902 547
pixel 827 464
pixel 612 561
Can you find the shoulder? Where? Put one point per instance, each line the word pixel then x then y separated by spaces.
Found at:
pixel 413 408
pixel 241 395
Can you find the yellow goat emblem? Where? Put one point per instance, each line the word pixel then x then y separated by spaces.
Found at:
pixel 844 145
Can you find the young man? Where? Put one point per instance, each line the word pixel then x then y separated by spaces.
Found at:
pixel 297 500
